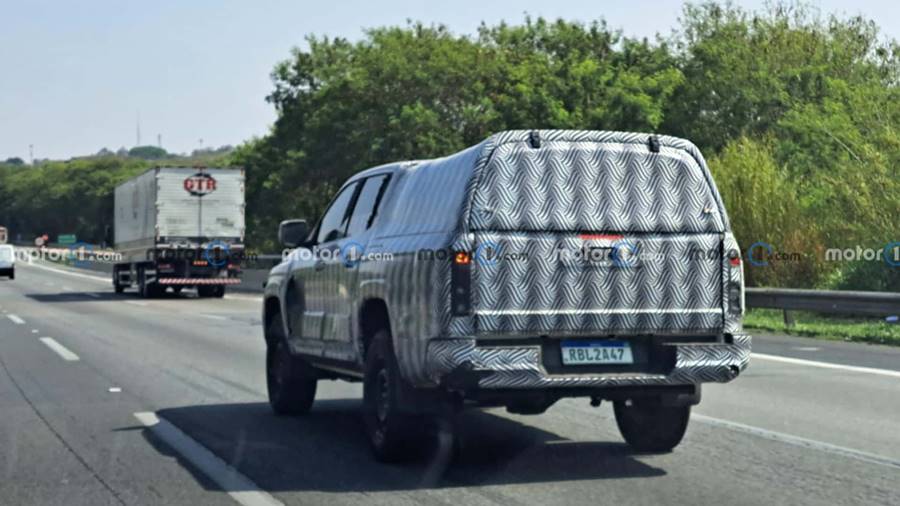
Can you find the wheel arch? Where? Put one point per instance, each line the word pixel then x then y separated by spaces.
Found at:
pixel 373 315
pixel 272 309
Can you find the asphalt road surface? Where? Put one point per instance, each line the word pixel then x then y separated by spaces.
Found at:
pixel 108 399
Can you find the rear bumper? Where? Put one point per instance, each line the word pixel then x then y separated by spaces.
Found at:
pixel 461 363
pixel 199 281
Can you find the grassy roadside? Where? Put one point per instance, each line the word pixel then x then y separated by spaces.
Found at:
pixel 810 324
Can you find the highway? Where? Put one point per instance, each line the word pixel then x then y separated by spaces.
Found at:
pixel 111 399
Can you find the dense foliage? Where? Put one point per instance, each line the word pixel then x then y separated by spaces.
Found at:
pixel 74 196
pixel 62 197
pixel 797 114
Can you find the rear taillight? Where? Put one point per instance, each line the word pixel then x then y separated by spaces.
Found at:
pixel 735 291
pixel 461 283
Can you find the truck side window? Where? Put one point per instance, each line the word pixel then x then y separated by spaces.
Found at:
pixel 367 204
pixel 334 223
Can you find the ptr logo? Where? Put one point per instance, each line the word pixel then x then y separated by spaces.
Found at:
pixel 200 184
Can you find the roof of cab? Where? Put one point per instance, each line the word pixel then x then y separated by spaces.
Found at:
pixel 535 138
pixel 385 168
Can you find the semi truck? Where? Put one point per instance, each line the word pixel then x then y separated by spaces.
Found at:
pixel 177 228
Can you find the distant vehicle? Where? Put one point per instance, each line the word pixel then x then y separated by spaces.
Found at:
pixel 8 261
pixel 4 235
pixel 534 266
pixel 180 227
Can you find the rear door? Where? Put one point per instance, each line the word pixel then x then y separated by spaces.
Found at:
pixel 330 279
pixel 596 238
pixel 318 277
pixel 200 204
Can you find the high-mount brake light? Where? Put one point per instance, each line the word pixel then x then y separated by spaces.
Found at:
pixel 462 258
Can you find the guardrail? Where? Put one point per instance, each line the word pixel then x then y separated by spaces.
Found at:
pixel 879 304
pixel 823 301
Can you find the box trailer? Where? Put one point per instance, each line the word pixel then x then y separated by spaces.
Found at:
pixel 179 227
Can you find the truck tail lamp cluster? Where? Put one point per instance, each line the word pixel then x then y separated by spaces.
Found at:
pixel 735 290
pixel 461 284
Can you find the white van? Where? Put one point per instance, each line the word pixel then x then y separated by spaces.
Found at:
pixel 7 261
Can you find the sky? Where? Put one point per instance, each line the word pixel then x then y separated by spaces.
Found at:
pixel 77 75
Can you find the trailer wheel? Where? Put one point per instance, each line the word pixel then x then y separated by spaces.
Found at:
pixel 147 290
pixel 142 283
pixel 650 426
pixel 118 287
pixel 217 291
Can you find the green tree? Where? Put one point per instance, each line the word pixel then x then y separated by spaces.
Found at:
pixel 148 152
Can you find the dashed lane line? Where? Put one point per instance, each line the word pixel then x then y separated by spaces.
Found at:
pixel 60 350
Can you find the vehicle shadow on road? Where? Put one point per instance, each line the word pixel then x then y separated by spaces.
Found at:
pixel 102 296
pixel 326 450
pixel 79 297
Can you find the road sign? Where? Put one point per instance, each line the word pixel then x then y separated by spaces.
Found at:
pixel 66 239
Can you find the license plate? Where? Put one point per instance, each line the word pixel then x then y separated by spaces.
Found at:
pixel 596 352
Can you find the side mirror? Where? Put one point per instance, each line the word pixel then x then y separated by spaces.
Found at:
pixel 292 233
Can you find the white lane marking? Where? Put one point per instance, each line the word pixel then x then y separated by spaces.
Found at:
pixel 806 348
pixel 34 331
pixel 76 274
pixel 826 365
pixel 60 350
pixel 114 390
pixel 235 484
pixel 799 441
pixel 214 316
pixel 135 303
pixel 15 319
pixel 68 289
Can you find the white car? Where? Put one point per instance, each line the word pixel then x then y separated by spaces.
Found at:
pixel 7 261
